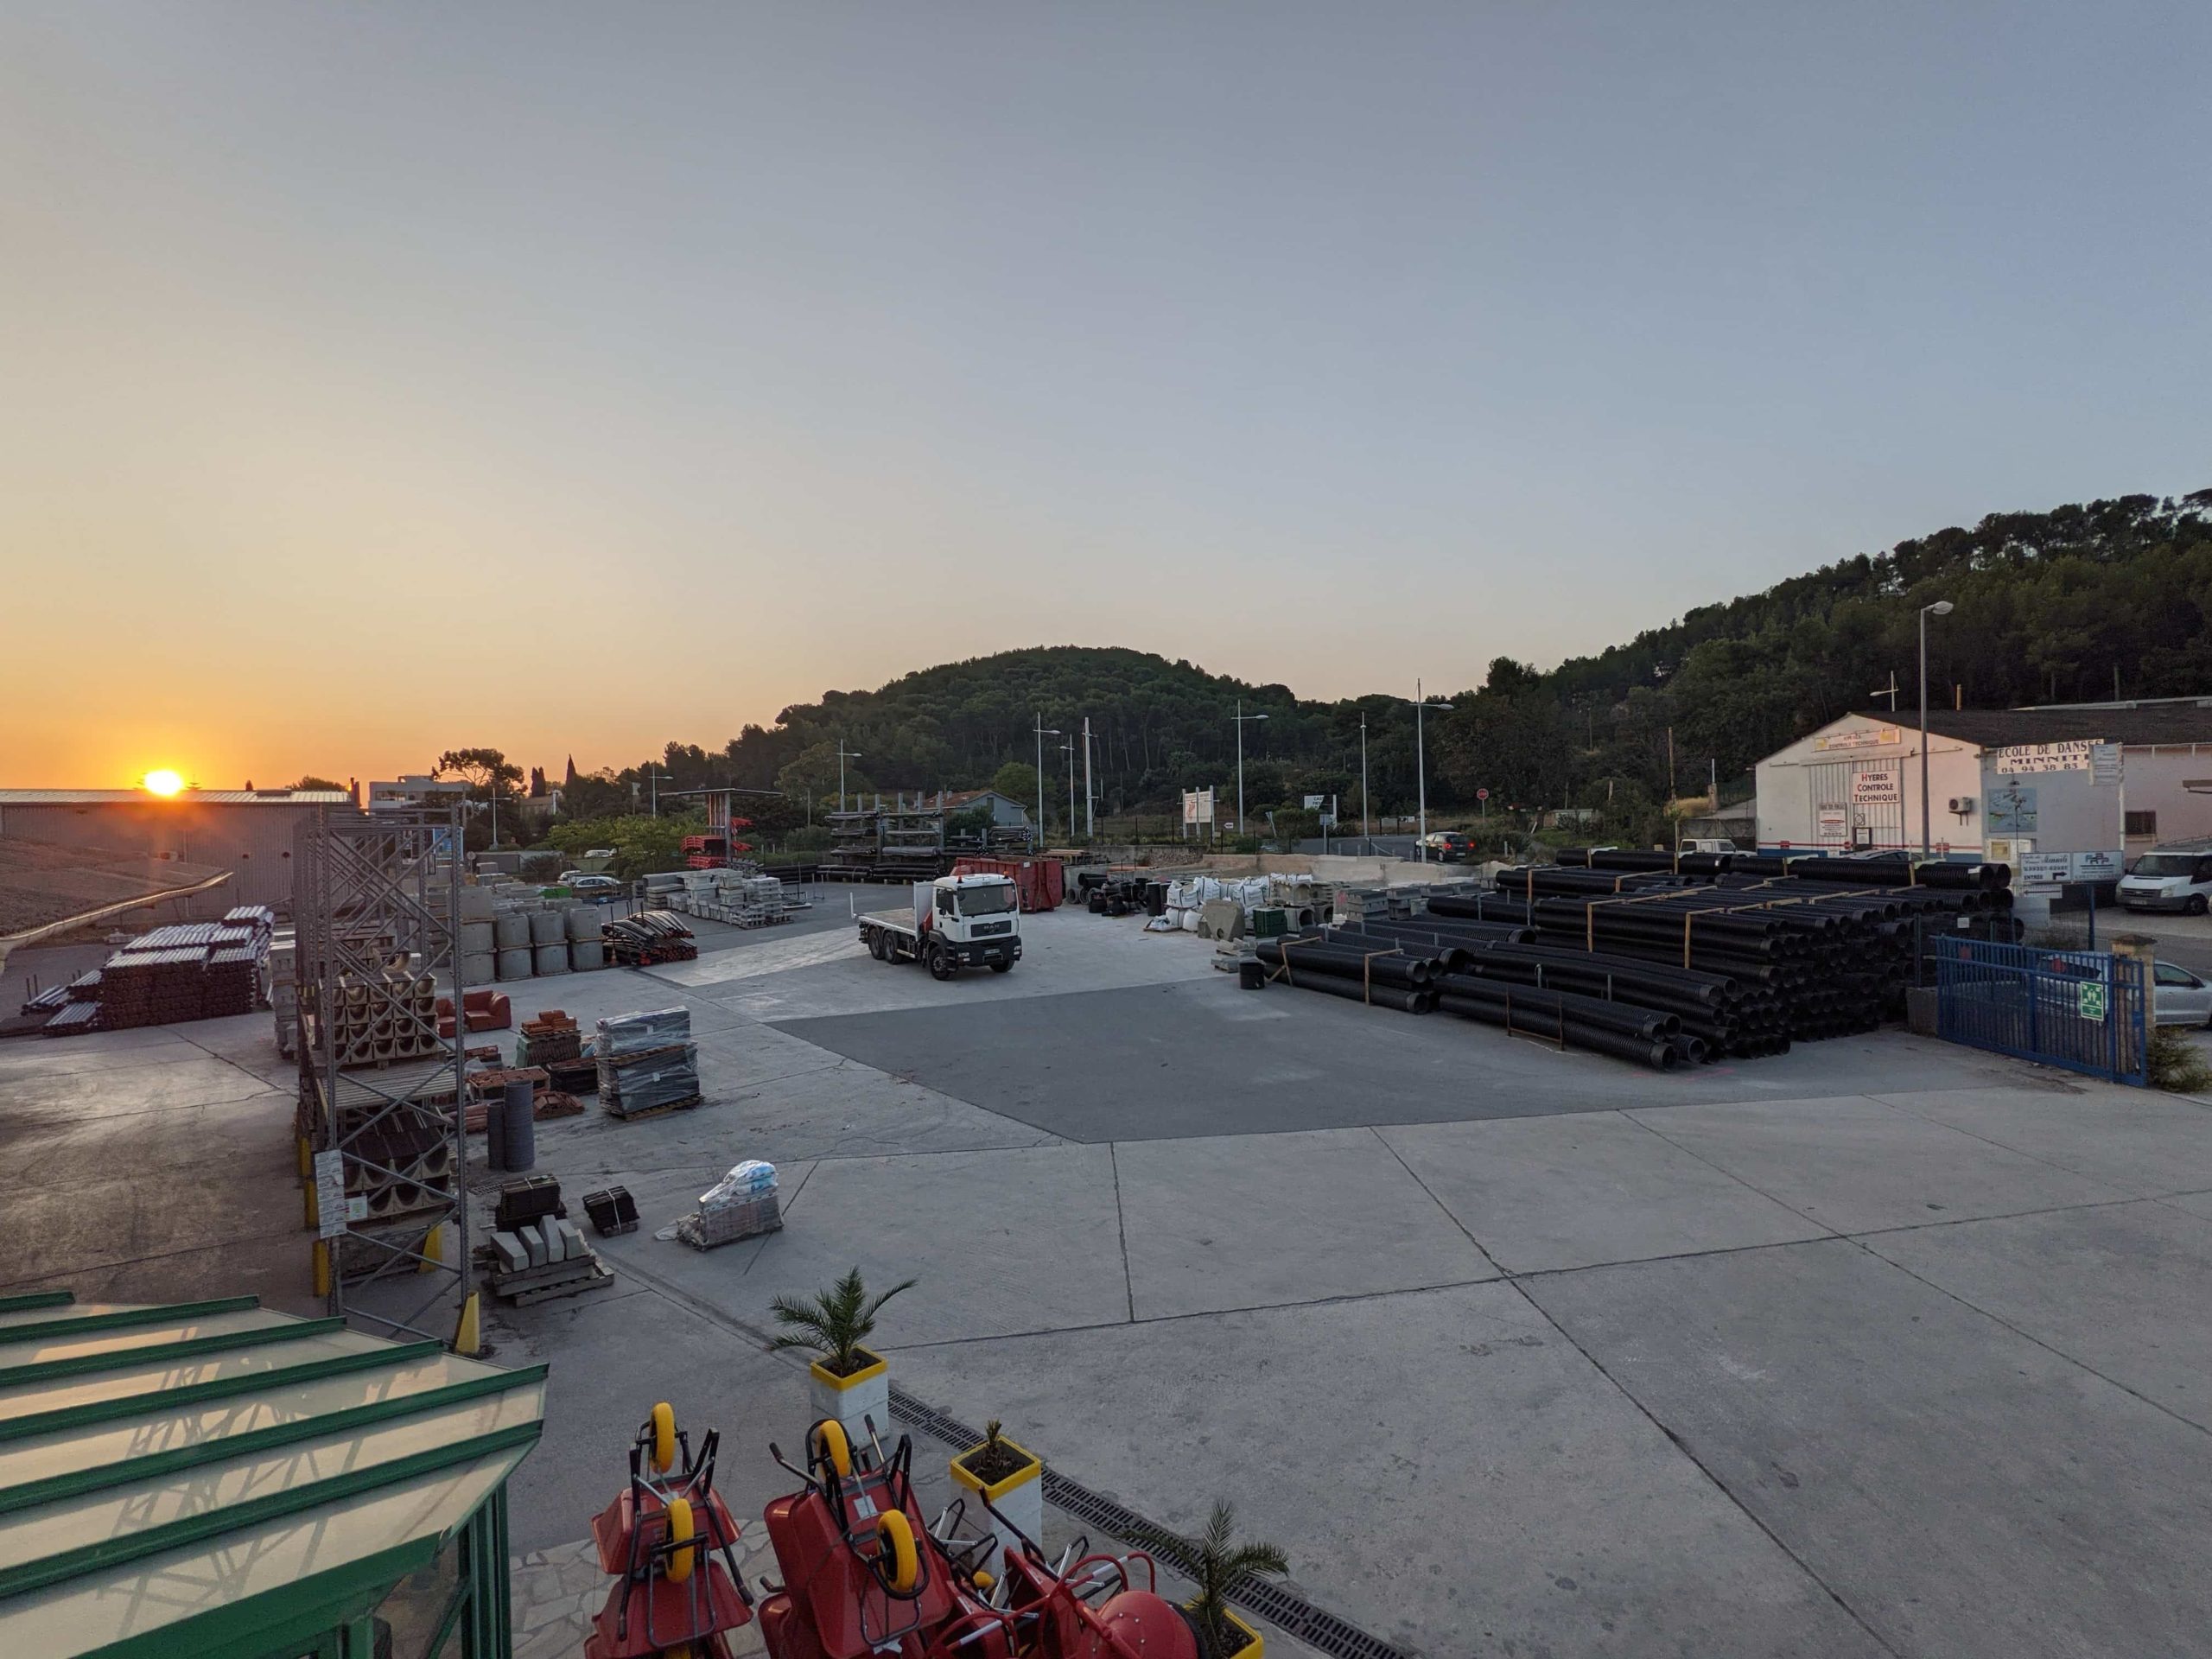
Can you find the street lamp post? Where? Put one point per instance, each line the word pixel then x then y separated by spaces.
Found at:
pixel 1940 608
pixel 1043 731
pixel 1241 720
pixel 843 755
pixel 1421 705
pixel 1366 828
pixel 1068 749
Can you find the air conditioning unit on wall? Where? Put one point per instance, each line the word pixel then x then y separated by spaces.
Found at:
pixel 1963 804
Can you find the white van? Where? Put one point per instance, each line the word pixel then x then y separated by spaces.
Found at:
pixel 2170 878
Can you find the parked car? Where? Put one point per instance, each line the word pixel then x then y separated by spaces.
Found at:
pixel 2170 879
pixel 590 887
pixel 2179 997
pixel 1449 845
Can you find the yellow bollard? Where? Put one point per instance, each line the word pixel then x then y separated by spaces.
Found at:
pixel 322 1266
pixel 467 1338
pixel 306 1159
pixel 433 1250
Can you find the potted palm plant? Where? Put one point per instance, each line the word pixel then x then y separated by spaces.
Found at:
pixel 1010 1478
pixel 848 1380
pixel 1216 1562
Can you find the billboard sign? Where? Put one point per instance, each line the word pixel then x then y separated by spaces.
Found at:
pixel 1883 788
pixel 1875 738
pixel 2073 755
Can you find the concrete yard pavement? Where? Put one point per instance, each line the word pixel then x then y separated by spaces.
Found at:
pixel 1878 1347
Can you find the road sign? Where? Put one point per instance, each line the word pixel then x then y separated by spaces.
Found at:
pixel 1481 794
pixel 2091 1000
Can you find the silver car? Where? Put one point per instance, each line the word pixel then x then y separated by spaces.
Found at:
pixel 2179 997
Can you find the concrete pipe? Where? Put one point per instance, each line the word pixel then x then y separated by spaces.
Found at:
pixel 517 963
pixel 583 921
pixel 512 931
pixel 586 954
pixel 476 936
pixel 475 904
pixel 544 926
pixel 477 968
pixel 551 959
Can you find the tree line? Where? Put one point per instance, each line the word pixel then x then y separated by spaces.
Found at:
pixel 2078 603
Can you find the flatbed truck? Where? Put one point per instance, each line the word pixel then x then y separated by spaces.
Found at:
pixel 954 922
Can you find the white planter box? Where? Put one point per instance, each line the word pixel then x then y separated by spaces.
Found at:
pixel 1020 1498
pixel 854 1401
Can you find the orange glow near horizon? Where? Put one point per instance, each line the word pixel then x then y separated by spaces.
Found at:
pixel 162 781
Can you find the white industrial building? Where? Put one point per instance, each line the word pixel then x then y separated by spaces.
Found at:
pixel 2043 789
pixel 247 832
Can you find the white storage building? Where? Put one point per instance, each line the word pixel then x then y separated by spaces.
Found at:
pixel 2034 787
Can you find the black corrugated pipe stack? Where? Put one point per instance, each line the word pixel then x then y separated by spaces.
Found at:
pixel 1570 1022
pixel 1391 978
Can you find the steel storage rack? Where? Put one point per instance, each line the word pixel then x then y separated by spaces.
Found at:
pixel 383 1153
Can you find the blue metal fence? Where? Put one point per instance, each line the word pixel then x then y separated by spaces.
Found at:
pixel 2084 1010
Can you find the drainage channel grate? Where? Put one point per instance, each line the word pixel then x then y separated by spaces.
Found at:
pixel 1296 1615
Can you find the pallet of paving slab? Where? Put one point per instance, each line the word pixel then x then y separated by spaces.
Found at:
pixel 597 1274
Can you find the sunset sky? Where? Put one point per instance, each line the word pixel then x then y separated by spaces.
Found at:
pixel 379 380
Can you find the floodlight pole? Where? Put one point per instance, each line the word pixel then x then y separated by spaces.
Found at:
pixel 843 755
pixel 1043 731
pixel 1940 608
pixel 1240 717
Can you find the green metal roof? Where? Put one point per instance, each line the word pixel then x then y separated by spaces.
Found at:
pixel 160 1468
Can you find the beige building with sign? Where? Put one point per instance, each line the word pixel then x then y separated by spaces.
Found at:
pixel 2051 782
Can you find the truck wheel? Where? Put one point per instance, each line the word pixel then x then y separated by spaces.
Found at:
pixel 875 945
pixel 1001 967
pixel 942 965
pixel 2198 904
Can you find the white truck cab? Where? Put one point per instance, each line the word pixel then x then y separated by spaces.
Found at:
pixel 956 922
pixel 2170 878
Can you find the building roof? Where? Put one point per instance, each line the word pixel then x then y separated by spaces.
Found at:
pixel 2172 722
pixel 216 797
pixel 168 1474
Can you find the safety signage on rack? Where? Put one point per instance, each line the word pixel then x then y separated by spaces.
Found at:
pixel 332 1208
pixel 2090 995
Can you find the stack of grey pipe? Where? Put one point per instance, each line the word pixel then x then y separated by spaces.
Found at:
pixel 647 1063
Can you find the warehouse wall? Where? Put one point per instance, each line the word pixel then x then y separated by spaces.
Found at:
pixel 1805 796
pixel 254 843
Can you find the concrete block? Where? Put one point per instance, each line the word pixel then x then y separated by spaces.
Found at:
pixel 573 1247
pixel 512 1256
pixel 534 1241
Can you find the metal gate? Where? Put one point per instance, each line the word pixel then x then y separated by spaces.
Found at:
pixel 2084 1010
pixel 1857 805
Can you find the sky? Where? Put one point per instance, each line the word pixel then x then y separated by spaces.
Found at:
pixel 376 380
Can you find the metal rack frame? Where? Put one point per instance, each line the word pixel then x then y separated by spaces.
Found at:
pixel 367 888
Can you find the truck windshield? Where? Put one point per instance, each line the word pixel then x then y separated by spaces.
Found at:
pixel 2165 864
pixel 986 901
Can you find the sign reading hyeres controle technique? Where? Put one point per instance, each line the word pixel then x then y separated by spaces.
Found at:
pixel 2073 754
pixel 1882 788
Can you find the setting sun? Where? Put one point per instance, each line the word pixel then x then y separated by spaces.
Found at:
pixel 163 782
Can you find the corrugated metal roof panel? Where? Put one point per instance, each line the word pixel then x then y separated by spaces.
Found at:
pixel 129 1434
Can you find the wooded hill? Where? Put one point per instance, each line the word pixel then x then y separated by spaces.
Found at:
pixel 2049 607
